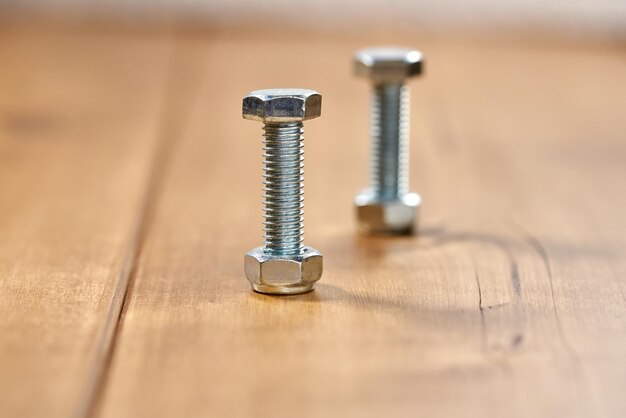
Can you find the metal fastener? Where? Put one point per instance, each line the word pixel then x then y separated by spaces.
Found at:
pixel 387 206
pixel 283 265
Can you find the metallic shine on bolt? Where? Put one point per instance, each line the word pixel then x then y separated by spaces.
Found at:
pixel 283 265
pixel 387 207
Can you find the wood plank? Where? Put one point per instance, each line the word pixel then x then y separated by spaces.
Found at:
pixel 79 116
pixel 509 303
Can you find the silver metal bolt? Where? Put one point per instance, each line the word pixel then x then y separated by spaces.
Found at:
pixel 387 206
pixel 283 265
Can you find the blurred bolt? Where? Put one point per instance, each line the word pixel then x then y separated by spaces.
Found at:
pixel 387 206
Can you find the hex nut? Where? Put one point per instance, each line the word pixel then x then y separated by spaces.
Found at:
pixel 396 217
pixel 282 275
pixel 384 65
pixel 282 105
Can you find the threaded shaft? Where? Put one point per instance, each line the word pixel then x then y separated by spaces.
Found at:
pixel 283 172
pixel 389 141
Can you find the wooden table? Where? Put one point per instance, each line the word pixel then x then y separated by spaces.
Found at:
pixel 130 191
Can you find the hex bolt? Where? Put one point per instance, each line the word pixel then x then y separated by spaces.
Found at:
pixel 283 265
pixel 386 206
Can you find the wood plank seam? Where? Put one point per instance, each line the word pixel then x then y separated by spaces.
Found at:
pixel 124 284
pixel 173 121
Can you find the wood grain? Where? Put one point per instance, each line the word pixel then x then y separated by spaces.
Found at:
pixel 130 191
pixel 509 303
pixel 76 151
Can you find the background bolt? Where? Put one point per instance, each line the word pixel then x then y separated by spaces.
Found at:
pixel 387 206
pixel 283 265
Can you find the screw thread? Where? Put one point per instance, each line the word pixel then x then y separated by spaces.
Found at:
pixel 389 135
pixel 283 194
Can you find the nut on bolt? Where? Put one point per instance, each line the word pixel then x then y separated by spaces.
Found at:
pixel 283 265
pixel 283 275
pixel 386 206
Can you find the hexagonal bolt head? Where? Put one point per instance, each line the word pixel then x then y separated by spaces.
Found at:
pixel 388 65
pixel 396 217
pixel 282 105
pixel 283 275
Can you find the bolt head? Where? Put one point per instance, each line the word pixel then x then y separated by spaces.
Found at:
pixel 282 105
pixel 388 65
pixel 283 275
pixel 396 217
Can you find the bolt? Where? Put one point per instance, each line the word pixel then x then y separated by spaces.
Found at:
pixel 387 206
pixel 283 265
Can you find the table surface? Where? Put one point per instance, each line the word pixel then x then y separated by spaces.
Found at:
pixel 130 191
